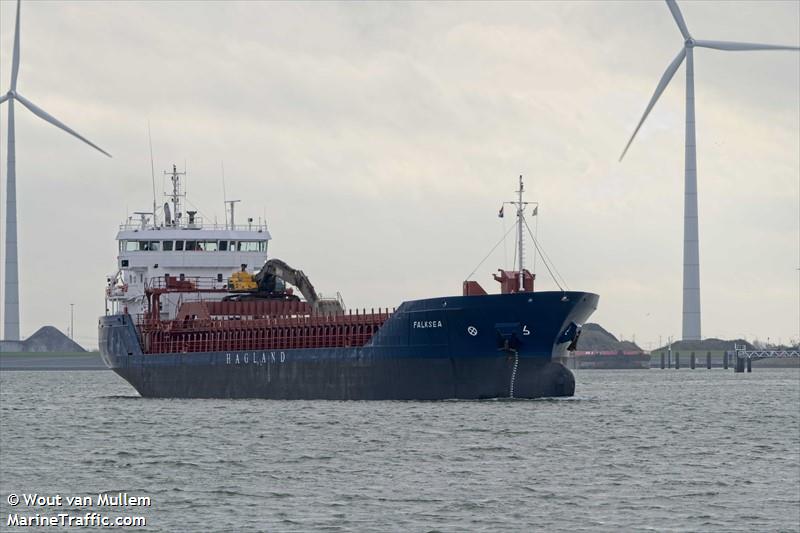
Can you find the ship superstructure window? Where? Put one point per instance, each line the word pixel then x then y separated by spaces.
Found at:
pixel 143 246
pixel 252 246
pixel 194 246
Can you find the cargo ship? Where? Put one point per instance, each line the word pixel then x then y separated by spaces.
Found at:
pixel 200 311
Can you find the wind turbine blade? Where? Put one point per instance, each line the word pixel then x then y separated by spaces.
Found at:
pixel 676 14
pixel 15 60
pixel 15 57
pixel 47 117
pixel 662 84
pixel 741 47
pixel 3 98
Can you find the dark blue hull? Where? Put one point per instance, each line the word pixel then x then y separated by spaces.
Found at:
pixel 466 347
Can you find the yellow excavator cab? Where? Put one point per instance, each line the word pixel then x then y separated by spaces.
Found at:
pixel 242 281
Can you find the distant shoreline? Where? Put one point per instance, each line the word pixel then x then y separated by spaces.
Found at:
pixel 51 361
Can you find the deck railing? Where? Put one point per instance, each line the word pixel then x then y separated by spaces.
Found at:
pixel 253 333
pixel 136 225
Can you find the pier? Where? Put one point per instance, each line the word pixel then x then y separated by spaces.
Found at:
pixel 744 357
pixel 740 359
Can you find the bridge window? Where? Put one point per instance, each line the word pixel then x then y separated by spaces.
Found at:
pixel 178 246
pixel 192 246
pixel 252 246
pixel 208 246
pixel 223 246
pixel 143 246
pixel 167 246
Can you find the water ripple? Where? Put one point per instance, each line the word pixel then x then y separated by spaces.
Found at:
pixel 636 450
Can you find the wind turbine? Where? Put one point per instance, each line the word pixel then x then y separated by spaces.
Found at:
pixel 691 253
pixel 11 292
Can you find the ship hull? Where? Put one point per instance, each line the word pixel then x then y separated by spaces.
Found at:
pixel 473 347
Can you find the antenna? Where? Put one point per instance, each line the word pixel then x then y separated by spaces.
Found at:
pixel 177 194
pixel 520 215
pixel 224 195
pixel 233 203
pixel 152 172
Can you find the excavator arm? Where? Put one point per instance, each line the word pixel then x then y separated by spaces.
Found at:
pixel 275 269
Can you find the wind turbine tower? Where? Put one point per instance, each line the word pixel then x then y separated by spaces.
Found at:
pixel 691 251
pixel 11 287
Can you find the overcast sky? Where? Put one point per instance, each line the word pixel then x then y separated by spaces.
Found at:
pixel 379 140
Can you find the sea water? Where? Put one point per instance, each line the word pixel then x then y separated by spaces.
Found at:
pixel 661 450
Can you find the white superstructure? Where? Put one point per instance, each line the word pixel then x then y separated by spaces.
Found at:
pixel 180 245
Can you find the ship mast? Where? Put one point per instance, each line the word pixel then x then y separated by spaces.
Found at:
pixel 520 222
pixel 177 194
